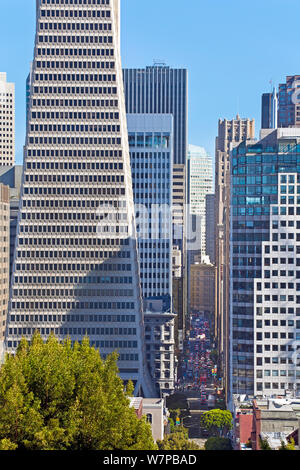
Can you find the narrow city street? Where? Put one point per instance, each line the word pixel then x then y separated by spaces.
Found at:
pixel 197 374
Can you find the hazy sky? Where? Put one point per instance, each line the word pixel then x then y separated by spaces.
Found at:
pixel 232 49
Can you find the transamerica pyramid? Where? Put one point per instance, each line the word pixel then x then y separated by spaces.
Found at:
pixel 76 266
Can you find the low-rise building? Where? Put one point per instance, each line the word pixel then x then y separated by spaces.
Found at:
pixel 273 420
pixel 155 412
pixel 202 287
pixel 160 348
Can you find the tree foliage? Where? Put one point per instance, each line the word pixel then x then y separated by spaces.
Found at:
pixel 289 446
pixel 178 440
pixel 264 444
pixel 218 443
pixel 57 396
pixel 217 422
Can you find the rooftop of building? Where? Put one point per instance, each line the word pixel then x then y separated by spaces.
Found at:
pixel 153 402
pixel 197 151
pixel 135 402
pixel 245 422
pixel 283 140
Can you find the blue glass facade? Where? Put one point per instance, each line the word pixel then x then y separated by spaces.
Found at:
pixel 255 171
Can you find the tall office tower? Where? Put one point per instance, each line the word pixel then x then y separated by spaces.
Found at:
pixel 264 312
pixel 230 134
pixel 160 90
pixel 269 110
pixel 28 88
pixel 76 267
pixel 210 227
pixel 7 121
pixel 4 262
pixel 179 223
pixel 179 204
pixel 200 183
pixel 151 156
pixel 289 102
pixel 12 177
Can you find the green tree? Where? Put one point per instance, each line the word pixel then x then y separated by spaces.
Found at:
pixel 289 446
pixel 214 356
pixel 218 443
pixel 264 444
pixel 55 396
pixel 178 440
pixel 217 422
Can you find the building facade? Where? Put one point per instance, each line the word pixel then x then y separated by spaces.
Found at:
pixel 200 183
pixel 12 177
pixel 160 349
pixel 289 102
pixel 264 329
pixel 202 288
pixel 4 262
pixel 7 121
pixel 269 110
pixel 76 267
pixel 160 90
pixel 151 156
pixel 230 134
pixel 210 227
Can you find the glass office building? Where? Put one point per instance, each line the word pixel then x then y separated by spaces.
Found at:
pixel 265 202
pixel 151 157
pixel 160 90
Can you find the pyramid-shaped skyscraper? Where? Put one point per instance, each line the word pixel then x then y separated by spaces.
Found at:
pixel 76 267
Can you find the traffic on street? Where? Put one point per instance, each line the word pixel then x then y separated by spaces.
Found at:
pixel 197 372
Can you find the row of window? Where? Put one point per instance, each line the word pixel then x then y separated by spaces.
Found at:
pixel 75 13
pixel 74 292
pixel 79 331
pixel 74 141
pixel 75 66
pixel 95 39
pixel 73 165
pixel 64 332
pixel 55 26
pixel 71 178
pixel 99 52
pixel 74 128
pixel 73 116
pixel 75 2
pixel 81 318
pixel 275 335
pixel 55 305
pixel 73 77
pixel 70 191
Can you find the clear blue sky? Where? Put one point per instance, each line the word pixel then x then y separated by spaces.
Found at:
pixel 232 49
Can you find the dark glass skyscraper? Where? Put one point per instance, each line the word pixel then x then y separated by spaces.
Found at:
pixel 160 90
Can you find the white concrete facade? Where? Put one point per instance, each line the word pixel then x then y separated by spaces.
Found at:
pixel 7 121
pixel 277 298
pixel 76 268
pixel 200 184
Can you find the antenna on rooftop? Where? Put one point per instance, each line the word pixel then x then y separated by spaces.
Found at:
pixel 159 63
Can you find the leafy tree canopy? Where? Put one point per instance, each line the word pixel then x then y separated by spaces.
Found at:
pixel 264 444
pixel 55 396
pixel 289 446
pixel 178 440
pixel 218 443
pixel 217 422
